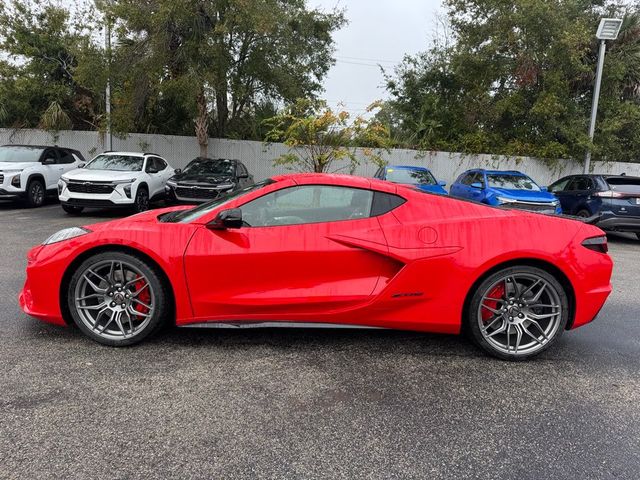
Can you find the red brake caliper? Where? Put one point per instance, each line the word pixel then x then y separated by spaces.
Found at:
pixel 144 296
pixel 497 292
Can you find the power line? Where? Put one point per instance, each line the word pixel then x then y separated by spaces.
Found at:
pixel 363 59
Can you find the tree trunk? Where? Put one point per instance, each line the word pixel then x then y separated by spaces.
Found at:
pixel 222 110
pixel 202 123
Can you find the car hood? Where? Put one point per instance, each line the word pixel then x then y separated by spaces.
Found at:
pixel 82 174
pixel 524 195
pixel 139 218
pixel 205 180
pixel 431 188
pixel 8 166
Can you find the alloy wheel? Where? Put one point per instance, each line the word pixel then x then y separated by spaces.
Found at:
pixel 114 299
pixel 519 314
pixel 36 192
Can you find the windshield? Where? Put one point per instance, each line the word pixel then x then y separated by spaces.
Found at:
pixel 20 154
pixel 120 163
pixel 185 216
pixel 512 182
pixel 411 177
pixel 206 166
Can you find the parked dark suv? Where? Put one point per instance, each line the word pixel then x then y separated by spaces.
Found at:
pixel 615 197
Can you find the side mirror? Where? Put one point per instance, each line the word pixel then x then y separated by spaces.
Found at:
pixel 231 218
pixel 544 189
pixel 48 161
pixel 476 185
pixel 442 183
pixel 177 171
pixel 243 175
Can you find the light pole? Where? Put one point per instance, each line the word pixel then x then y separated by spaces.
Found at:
pixel 607 30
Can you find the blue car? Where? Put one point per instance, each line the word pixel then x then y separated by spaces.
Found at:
pixel 511 189
pixel 420 177
pixel 615 198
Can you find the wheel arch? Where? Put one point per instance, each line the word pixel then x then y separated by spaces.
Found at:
pixel 35 176
pixel 550 268
pixel 66 278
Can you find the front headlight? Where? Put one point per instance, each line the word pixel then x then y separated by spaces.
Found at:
pixel 555 203
pixel 66 234
pixel 171 183
pixel 502 200
pixel 15 181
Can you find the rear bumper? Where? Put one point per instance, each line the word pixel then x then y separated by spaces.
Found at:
pixel 618 223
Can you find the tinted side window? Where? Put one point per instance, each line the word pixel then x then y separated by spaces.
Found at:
pixel 308 204
pixel 385 202
pixel 242 170
pixel 50 154
pixel 66 157
pixel 560 185
pixel 579 183
pixel 467 179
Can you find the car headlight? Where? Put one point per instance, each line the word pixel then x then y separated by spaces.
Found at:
pixel 555 203
pixel 171 184
pixel 15 181
pixel 61 185
pixel 66 234
pixel 502 200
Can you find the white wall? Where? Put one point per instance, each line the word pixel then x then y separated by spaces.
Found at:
pixel 259 157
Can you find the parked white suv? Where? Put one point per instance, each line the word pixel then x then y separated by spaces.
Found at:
pixel 29 172
pixel 115 179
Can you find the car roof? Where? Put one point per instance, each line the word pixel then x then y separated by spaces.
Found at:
pixel 339 180
pixel 33 146
pixel 621 177
pixel 408 167
pixel 498 172
pixel 129 154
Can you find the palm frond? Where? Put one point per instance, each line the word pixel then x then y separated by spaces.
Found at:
pixel 55 118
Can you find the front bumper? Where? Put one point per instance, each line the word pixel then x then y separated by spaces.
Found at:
pixel 114 199
pixel 11 195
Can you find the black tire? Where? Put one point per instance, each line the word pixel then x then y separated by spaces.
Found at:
pixel 473 314
pixel 71 210
pixel 35 193
pixel 141 203
pixel 159 298
pixel 583 214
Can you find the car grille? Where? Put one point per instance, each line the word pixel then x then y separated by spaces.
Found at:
pixel 90 187
pixel 533 207
pixel 1 177
pixel 201 193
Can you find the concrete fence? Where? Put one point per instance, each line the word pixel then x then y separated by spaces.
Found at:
pixel 259 157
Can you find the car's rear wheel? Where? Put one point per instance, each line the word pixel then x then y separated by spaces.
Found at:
pixel 142 200
pixel 35 193
pixel 583 214
pixel 518 312
pixel 71 210
pixel 117 299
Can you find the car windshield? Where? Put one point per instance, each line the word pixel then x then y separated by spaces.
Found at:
pixel 120 163
pixel 20 154
pixel 207 166
pixel 185 216
pixel 512 182
pixel 628 185
pixel 411 177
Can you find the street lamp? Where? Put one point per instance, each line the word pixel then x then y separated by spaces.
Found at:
pixel 607 30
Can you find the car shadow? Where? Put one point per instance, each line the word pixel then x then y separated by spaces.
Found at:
pixel 622 238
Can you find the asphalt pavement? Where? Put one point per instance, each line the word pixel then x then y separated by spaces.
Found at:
pixel 311 403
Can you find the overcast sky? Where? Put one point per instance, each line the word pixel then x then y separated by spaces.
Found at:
pixel 379 31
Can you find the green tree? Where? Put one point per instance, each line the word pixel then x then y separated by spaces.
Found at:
pixel 318 138
pixel 216 61
pixel 40 87
pixel 517 79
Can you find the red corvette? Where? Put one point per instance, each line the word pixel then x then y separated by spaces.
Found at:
pixel 326 250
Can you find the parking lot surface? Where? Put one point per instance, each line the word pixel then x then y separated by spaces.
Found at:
pixel 311 403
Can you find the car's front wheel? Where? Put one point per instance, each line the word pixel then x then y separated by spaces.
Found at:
pixel 35 193
pixel 142 200
pixel 518 312
pixel 117 299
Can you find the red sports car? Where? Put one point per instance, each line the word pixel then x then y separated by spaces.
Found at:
pixel 326 250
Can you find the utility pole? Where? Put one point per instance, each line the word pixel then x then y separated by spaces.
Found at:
pixel 107 42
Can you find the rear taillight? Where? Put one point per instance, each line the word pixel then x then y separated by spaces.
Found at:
pixel 608 194
pixel 597 244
